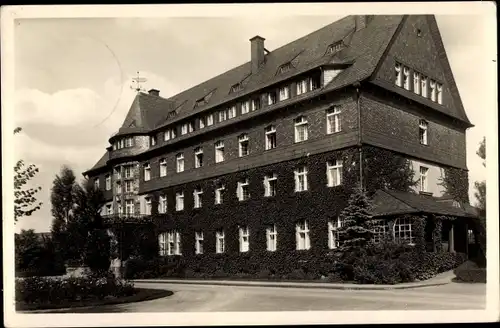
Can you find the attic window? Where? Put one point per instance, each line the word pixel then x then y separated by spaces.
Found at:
pixel 172 114
pixel 284 68
pixel 204 100
pixel 335 47
pixel 235 88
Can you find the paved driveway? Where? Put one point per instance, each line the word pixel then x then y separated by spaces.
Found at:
pixel 206 298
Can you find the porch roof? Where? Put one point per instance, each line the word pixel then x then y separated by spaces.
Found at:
pixel 391 202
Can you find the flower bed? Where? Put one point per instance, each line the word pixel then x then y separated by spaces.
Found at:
pixel 49 292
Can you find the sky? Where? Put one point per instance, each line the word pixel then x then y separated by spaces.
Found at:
pixel 73 78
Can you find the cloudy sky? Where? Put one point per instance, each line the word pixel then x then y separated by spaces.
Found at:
pixel 73 77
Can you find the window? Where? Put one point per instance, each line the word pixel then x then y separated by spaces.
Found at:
pixel 243 192
pixel 423 178
pixel 380 230
pixel 271 98
pixel 270 137
pixel 219 241
pixel 423 84
pixel 433 90
pixel 147 172
pixel 243 145
pixel 439 88
pixel 118 187
pixel 210 119
pixel 96 183
pixel 128 171
pixel 152 141
pixel 236 87
pixel 222 116
pixel 313 84
pixel 270 183
pixel 120 209
pixel 169 134
pixel 244 239
pixel 406 76
pixel 416 82
pixel 128 186
pixel 108 181
pixel 162 204
pixel 129 207
pixel 334 173
pixel 219 193
pixel 129 142
pixel 147 206
pixel 179 201
pixel 245 107
pixel 255 104
pixel 272 238
pixel 284 68
pixel 231 113
pixel 219 151
pixel 184 128
pixel 333 120
pixel 198 237
pixel 284 93
pixel 170 243
pixel 403 231
pixel 302 86
pixel 197 193
pixel 302 236
pixel 301 129
pixel 333 48
pixel 422 131
pixel 202 122
pixel 163 167
pixel 117 173
pixel 180 162
pixel 399 75
pixel 301 179
pixel 333 233
pixel 198 157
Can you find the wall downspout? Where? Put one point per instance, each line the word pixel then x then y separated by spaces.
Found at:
pixel 357 85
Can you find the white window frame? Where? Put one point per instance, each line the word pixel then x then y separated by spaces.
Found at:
pixel 198 157
pixel 255 104
pixel 242 185
pixel 118 187
pixel 219 194
pixel 117 173
pixel 406 77
pixel 268 191
pixel 179 201
pixel 245 107
pixel 302 86
pixel 147 205
pixel 241 140
pixel 271 98
pixel 399 74
pixel 244 234
pixel 301 123
pixel 333 123
pixel 271 238
pixel 162 204
pixel 163 167
pixel 129 142
pixel 147 172
pixel 416 82
pixel 210 119
pixel 402 227
pixel 197 198
pixel 162 243
pixel 219 242
pixel 284 93
pixel 190 127
pixel 127 169
pixel 333 235
pixel 439 88
pixel 432 86
pixel 152 141
pixel 179 160
pixel 170 243
pixel 202 122
pixel 231 112
pixel 270 132
pixel 301 173
pixel 219 151
pixel 108 181
pixel 423 86
pixel 128 186
pixel 334 173
pixel 423 181
pixel 184 129
pixel 198 237
pixel 380 230
pixel 302 233
pixel 423 131
pixel 166 135
pixel 129 207
pixel 222 115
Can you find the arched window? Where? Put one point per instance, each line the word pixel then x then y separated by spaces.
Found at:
pixel 403 230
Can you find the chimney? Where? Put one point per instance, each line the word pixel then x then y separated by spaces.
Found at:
pixel 361 21
pixel 257 47
pixel 154 92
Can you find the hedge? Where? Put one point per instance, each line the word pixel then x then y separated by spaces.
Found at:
pixel 470 272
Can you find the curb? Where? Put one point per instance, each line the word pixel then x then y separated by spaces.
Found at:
pixel 292 285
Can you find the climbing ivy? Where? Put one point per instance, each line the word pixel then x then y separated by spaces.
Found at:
pixel 456 184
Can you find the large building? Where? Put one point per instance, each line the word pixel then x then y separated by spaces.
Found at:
pixel 256 159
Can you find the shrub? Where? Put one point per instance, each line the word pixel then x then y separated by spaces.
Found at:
pixel 470 272
pixel 42 290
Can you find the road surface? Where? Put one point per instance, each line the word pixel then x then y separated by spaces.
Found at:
pixel 206 298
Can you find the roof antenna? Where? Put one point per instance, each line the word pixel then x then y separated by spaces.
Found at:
pixel 138 80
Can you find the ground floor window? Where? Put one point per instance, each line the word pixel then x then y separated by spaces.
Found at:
pixel 380 230
pixel 170 243
pixel 403 232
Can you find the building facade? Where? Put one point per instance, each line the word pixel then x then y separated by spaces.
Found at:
pixel 260 158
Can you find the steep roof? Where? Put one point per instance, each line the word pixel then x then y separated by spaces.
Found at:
pixel 391 202
pixel 100 163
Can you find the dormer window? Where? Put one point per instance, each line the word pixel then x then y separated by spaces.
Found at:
pixel 335 47
pixel 284 68
pixel 204 100
pixel 235 88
